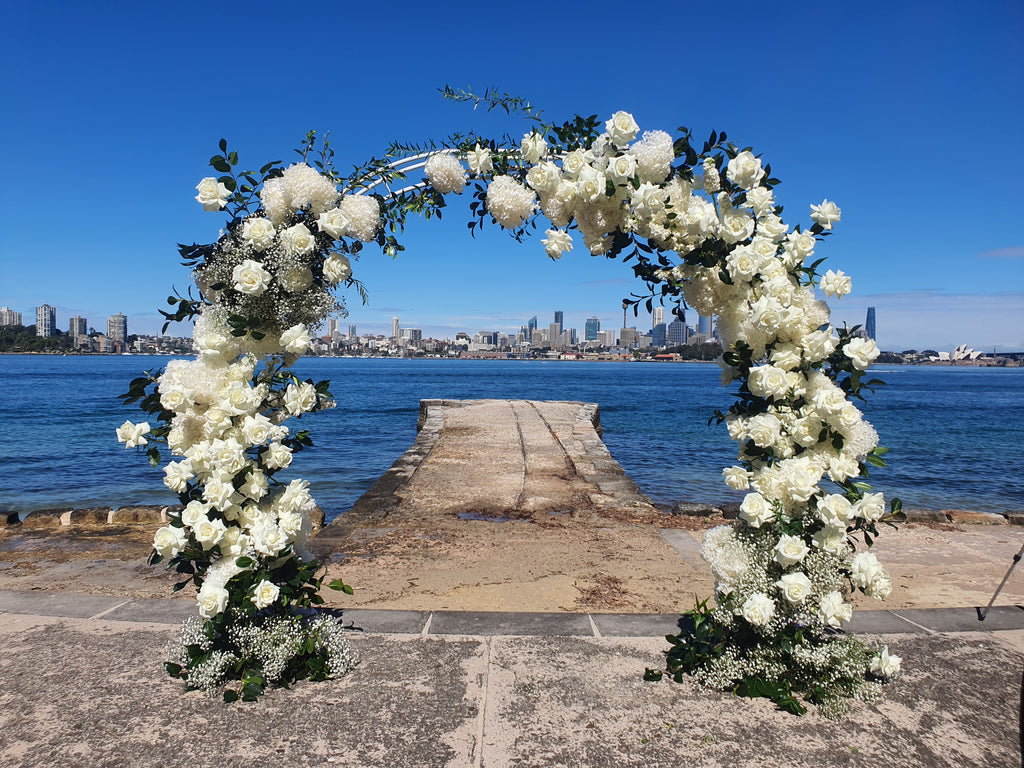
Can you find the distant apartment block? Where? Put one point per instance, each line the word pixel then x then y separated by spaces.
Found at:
pixel 9 317
pixel 117 328
pixel 78 326
pixel 46 321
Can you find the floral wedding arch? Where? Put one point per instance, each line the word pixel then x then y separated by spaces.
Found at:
pixel 702 227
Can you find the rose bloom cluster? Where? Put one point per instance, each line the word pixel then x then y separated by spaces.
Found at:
pixel 803 430
pixel 227 434
pixel 280 264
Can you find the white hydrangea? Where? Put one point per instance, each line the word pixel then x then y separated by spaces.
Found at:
pixel 363 215
pixel 509 202
pixel 654 154
pixel 445 173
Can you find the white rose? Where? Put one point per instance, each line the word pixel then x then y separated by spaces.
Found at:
pixel 334 222
pixel 132 434
pixel 212 600
pixel 265 594
pixel 173 399
pixel 768 381
pixel 277 456
pixel 885 664
pixel 177 474
pixel 193 512
pixel 297 279
pixel 259 233
pixel 250 278
pixel 556 243
pixel 212 194
pixel 818 345
pixel 871 507
pixel 255 485
pixel 622 168
pixel 218 493
pixel 745 170
pixel 865 569
pixel 297 240
pixel 760 199
pixel 256 429
pixel 833 610
pixel 268 539
pixel 533 146
pixel 786 356
pixel 790 550
pixel 795 587
pixel 826 214
pixel 764 430
pixel 169 541
pixel 209 532
pixel 300 399
pixel 862 352
pixel 743 263
pixel 842 468
pixel 479 159
pixel 835 510
pixel 831 539
pixel 337 268
pixel 756 510
pixel 574 162
pixel 590 185
pixel 622 129
pixel 544 177
pixel 736 478
pixel 737 225
pixel 295 340
pixel 758 609
pixel 836 284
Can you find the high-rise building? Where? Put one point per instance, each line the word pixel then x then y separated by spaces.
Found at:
pixel 675 334
pixel 394 327
pixel 46 320
pixel 412 334
pixel 628 337
pixel 558 318
pixel 555 334
pixel 332 327
pixel 657 316
pixel 117 328
pixel 78 327
pixel 352 332
pixel 9 317
pixel 608 338
pixel 869 324
pixel 592 329
pixel 659 335
pixel 531 326
pixel 704 324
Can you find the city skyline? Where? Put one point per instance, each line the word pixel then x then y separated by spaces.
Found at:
pixel 859 115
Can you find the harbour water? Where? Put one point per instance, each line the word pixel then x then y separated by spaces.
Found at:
pixel 954 432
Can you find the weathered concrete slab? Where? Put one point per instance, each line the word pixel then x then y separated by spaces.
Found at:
pixel 494 623
pixel 92 692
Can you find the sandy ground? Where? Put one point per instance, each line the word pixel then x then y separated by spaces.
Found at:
pixel 541 563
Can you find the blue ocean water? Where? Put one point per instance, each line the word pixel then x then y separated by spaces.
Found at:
pixel 954 432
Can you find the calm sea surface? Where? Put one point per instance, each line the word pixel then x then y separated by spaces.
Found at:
pixel 954 434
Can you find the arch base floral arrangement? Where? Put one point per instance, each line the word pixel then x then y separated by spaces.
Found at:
pixel 701 227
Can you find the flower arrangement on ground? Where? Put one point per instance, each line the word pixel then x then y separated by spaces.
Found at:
pixel 241 537
pixel 702 227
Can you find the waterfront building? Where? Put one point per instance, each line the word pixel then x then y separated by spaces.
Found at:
pixel 332 327
pixel 352 332
pixel 78 326
pixel 675 333
pixel 411 334
pixel 531 326
pixel 117 328
pixel 9 317
pixel 394 327
pixel 607 338
pixel 628 337
pixel 46 321
pixel 592 329
pixel 869 324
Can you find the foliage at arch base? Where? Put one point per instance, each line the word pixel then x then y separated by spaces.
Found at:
pixel 700 226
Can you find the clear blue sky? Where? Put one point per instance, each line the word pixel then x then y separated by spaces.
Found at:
pixel 907 114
